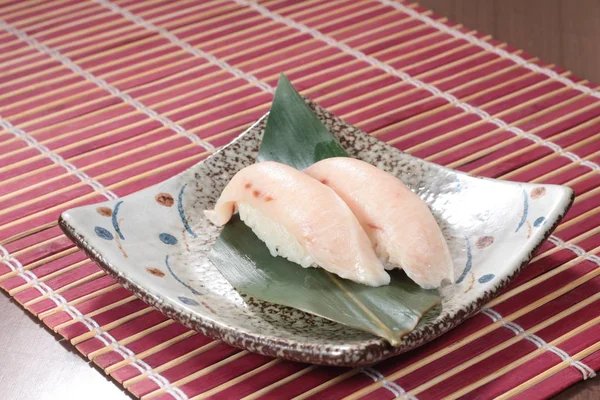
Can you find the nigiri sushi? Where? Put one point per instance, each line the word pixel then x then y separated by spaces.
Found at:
pixel 300 219
pixel 400 225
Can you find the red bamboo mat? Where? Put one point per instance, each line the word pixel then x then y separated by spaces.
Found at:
pixel 100 99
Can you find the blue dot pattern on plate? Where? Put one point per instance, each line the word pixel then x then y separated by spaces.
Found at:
pixel 486 278
pixel 539 221
pixel 167 239
pixel 188 301
pixel 103 233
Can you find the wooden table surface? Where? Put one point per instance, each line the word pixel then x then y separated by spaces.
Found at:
pixel 36 365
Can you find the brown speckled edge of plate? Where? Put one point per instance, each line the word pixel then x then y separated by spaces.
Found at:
pixel 269 346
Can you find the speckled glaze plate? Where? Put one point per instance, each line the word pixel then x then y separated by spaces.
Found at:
pixel 155 242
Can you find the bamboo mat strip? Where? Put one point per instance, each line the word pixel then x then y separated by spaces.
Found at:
pixel 518 60
pixel 22 204
pixel 111 89
pixel 225 386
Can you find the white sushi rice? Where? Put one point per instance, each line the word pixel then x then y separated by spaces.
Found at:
pixel 278 239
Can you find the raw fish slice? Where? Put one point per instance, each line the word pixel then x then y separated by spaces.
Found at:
pixel 399 224
pixel 300 219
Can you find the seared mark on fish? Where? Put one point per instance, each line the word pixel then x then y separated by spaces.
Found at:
pixel 373 226
pixel 256 193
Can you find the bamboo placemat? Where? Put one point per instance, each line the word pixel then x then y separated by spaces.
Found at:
pixel 99 99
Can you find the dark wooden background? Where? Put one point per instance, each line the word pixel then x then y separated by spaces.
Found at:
pixel 562 32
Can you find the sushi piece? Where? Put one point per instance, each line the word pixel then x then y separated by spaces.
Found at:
pixel 300 219
pixel 400 225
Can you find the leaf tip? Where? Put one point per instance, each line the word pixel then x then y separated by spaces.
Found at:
pixel 284 85
pixel 283 79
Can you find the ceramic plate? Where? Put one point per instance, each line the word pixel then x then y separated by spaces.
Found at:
pixel 155 242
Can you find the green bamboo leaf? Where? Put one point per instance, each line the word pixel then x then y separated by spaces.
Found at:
pixel 294 135
pixel 388 311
